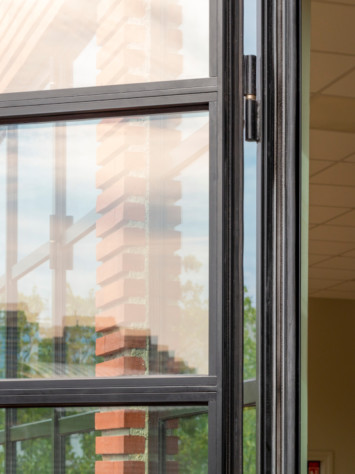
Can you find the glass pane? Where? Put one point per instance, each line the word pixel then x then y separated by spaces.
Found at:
pixel 2 458
pixel 250 232
pixel 34 455
pixel 110 439
pixel 105 250
pixel 63 44
pixel 250 274
pixel 80 454
pixel 249 440
pixel 2 440
pixel 192 433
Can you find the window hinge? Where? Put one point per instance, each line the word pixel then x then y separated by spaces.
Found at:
pixel 250 102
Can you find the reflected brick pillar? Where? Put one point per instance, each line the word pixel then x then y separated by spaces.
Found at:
pixel 122 35
pixel 127 154
pixel 120 440
pixel 164 243
pixel 121 300
pixel 172 446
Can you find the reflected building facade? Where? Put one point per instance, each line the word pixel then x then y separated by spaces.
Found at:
pixel 105 236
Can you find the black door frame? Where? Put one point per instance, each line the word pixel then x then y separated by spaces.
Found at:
pixel 279 51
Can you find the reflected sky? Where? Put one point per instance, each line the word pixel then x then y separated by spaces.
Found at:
pixel 250 150
pixel 155 166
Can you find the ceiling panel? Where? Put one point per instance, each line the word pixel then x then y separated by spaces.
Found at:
pixel 346 286
pixel 344 87
pixel 333 233
pixel 332 113
pixel 327 67
pixel 318 165
pixel 317 285
pixel 329 247
pixel 330 145
pixel 349 2
pixel 347 219
pixel 312 259
pixel 330 274
pixel 332 140
pixel 321 214
pixel 331 293
pixel 332 27
pixel 346 263
pixel 341 174
pixel 350 254
pixel 335 196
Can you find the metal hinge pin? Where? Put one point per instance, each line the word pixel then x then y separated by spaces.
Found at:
pixel 250 103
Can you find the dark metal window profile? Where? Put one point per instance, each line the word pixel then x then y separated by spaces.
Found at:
pixel 57 369
pixel 279 323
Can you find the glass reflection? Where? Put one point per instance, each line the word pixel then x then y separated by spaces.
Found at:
pixel 105 247
pixel 106 439
pixel 65 44
pixel 249 440
pixel 250 218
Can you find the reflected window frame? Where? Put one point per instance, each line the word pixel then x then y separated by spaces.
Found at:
pixel 222 390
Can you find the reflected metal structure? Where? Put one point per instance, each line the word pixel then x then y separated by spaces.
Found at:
pixel 221 390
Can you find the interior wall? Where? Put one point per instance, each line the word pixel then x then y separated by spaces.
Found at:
pixel 331 382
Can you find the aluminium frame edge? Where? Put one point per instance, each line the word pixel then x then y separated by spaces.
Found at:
pixel 278 408
pixel 232 143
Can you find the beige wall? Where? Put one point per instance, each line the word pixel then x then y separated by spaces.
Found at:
pixel 331 383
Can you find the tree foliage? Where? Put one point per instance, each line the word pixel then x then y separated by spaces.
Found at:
pixel 249 418
pixel 193 444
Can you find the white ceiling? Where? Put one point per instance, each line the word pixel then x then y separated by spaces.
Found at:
pixel 332 150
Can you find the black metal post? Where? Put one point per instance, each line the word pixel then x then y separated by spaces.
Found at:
pixel 58 443
pixel 11 284
pixel 58 265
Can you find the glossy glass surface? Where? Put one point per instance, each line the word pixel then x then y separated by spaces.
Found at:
pixel 249 440
pixel 105 247
pixel 61 44
pixel 89 440
pixel 250 267
pixel 250 231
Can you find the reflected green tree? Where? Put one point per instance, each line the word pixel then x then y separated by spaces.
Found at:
pixel 249 440
pixel 193 444
pixel 249 337
pixel 249 414
pixel 34 456
pixel 193 324
pixel 193 457
pixel 28 337
pixel 35 354
pixel 80 454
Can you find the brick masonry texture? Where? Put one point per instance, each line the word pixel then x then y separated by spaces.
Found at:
pixel 120 467
pixel 120 419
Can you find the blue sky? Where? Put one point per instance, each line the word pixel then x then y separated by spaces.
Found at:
pixel 250 168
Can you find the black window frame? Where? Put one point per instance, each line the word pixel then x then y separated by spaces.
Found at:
pixel 221 93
